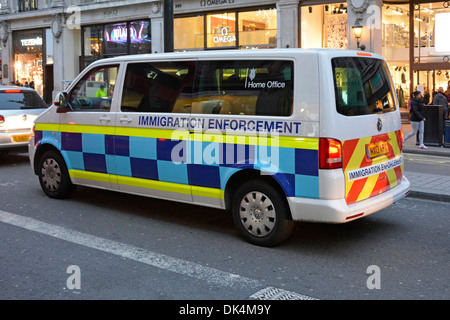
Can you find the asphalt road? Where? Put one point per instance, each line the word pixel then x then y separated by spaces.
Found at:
pixel 106 245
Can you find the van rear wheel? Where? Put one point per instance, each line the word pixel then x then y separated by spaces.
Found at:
pixel 260 213
pixel 54 177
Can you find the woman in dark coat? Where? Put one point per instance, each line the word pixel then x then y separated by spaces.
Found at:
pixel 416 118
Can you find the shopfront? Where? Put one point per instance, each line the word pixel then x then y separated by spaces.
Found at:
pixel 419 60
pixel 115 39
pixel 231 29
pixel 29 58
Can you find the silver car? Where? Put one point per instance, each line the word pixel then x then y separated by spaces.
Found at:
pixel 19 107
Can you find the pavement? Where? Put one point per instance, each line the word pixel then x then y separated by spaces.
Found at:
pixel 424 185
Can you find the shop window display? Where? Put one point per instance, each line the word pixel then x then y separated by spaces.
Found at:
pixel 324 26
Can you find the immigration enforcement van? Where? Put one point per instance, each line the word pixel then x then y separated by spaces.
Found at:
pixel 274 136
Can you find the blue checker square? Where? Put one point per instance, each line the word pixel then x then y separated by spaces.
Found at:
pixel 141 147
pixel 306 186
pixel 238 155
pixel 164 149
pixel 122 146
pixel 109 144
pixel 95 162
pixel 171 172
pixel 286 160
pixel 287 182
pixel 204 176
pixel 93 143
pixel 71 141
pixel 144 168
pixel 74 160
pixel 123 166
pixel 307 162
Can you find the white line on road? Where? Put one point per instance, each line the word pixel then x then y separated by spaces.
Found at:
pixel 158 260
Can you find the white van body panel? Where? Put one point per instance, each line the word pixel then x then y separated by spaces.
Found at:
pixel 314 114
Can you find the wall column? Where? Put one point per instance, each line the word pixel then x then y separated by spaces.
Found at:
pixel 287 24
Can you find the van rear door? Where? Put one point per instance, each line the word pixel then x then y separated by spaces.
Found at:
pixel 367 108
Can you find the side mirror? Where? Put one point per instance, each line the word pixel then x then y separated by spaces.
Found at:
pixel 62 103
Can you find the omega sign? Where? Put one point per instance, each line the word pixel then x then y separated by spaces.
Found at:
pixel 224 37
pixel 208 3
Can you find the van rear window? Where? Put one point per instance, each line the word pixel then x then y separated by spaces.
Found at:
pixel 362 86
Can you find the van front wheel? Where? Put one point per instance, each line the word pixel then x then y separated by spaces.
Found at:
pixel 54 177
pixel 260 214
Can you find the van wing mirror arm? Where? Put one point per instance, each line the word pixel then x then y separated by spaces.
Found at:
pixel 62 103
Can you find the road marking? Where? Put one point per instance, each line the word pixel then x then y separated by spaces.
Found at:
pixel 271 293
pixel 158 260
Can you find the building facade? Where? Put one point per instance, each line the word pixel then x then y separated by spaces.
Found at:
pixel 48 42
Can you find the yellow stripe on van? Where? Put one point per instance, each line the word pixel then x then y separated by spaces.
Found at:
pixel 47 127
pixel 149 184
pixel 88 175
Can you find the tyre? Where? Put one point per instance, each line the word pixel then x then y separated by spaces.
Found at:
pixel 260 213
pixel 54 177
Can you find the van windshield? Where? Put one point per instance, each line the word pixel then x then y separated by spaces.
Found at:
pixel 362 86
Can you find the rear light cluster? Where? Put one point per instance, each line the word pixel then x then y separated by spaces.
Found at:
pixel 401 137
pixel 330 153
pixel 2 119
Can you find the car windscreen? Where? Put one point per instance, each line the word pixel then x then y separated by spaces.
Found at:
pixel 17 99
pixel 362 86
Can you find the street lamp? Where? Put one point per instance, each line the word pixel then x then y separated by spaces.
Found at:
pixel 357 32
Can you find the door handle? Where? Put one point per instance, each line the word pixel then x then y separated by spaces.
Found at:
pixel 126 119
pixel 105 118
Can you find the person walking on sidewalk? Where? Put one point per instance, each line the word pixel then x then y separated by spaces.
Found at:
pixel 416 118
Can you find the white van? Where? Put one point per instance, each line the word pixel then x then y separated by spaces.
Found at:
pixel 274 136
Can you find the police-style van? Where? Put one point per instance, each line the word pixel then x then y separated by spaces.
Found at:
pixel 274 136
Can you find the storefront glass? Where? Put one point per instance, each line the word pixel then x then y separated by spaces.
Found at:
pixel 93 40
pixel 324 26
pixel 28 59
pixel 189 33
pixel 432 32
pixel 258 29
pixel 233 29
pixel 115 39
pixel 395 47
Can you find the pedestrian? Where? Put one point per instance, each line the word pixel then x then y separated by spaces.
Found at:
pixel 426 98
pixel 441 100
pixel 416 118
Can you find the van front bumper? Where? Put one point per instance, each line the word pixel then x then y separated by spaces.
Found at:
pixel 338 211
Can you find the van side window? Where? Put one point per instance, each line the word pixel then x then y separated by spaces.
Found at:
pixel 158 87
pixel 95 90
pixel 362 86
pixel 244 87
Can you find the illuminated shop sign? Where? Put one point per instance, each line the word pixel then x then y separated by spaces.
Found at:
pixel 119 34
pixel 31 42
pixel 224 37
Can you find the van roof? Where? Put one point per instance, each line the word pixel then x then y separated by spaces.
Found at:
pixel 240 53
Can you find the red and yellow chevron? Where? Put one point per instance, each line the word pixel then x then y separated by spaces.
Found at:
pixel 355 156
